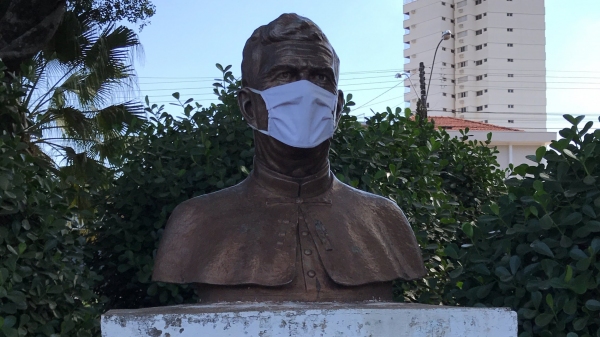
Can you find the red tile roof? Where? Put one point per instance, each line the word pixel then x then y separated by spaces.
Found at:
pixel 451 123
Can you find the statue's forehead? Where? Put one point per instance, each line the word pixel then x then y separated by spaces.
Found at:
pixel 297 54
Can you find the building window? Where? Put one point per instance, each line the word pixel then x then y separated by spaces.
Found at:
pixel 477 2
pixel 479 93
pixel 443 48
pixel 443 3
pixel 509 29
pixel 443 94
pixel 511 75
pixel 462 94
pixel 451 20
pixel 461 4
pixel 462 64
pixel 453 96
pixel 511 121
pixel 478 32
pixel 462 49
pixel 485 107
pixel 479 108
pixel 511 90
pixel 509 14
pixel 443 109
pixel 444 64
pixel 443 18
pixel 478 63
pixel 463 109
pixel 479 47
pixel 452 66
pixel 479 78
pixel 478 17
pixel 462 79
pixel 461 34
pixel 451 6
pixel 485 29
pixel 484 60
pixel 510 60
pixel 485 90
pixel 509 44
pixel 511 106
pixel 452 51
pixel 484 75
pixel 452 81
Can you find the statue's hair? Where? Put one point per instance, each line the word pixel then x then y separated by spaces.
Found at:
pixel 287 27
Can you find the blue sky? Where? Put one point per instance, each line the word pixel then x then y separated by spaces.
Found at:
pixel 186 38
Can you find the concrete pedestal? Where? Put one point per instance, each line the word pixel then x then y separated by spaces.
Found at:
pixel 310 319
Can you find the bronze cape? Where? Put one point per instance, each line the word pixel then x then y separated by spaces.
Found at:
pixel 250 236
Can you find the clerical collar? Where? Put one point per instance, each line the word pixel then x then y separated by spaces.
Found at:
pixel 285 186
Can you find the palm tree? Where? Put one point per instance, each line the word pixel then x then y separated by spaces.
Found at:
pixel 76 90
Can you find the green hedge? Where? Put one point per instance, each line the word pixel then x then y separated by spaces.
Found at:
pixel 537 249
pixel 45 290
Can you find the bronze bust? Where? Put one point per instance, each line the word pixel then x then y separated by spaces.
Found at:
pixel 291 231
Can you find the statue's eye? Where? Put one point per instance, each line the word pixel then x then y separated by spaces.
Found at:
pixel 321 77
pixel 285 75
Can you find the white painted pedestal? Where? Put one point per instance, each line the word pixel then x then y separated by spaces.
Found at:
pixel 375 319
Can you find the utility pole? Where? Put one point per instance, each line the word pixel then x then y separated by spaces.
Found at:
pixel 422 103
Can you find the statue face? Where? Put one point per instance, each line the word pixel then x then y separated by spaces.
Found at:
pixel 291 61
pixel 285 62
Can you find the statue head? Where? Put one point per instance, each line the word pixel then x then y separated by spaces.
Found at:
pixel 290 48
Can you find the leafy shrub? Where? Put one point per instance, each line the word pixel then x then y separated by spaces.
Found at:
pixel 173 159
pixel 439 181
pixel 45 289
pixel 536 250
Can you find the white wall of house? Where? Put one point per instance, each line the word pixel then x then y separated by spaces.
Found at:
pixel 513 146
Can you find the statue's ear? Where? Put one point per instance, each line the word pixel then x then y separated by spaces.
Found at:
pixel 339 106
pixel 246 106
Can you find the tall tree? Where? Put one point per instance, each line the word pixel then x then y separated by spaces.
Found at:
pixel 73 88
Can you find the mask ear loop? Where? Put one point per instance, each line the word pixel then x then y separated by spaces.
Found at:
pixel 264 132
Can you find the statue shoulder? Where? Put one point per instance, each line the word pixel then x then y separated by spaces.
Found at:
pixel 195 211
pixel 190 221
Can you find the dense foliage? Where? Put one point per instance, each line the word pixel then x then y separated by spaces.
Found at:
pixel 537 249
pixel 173 159
pixel 439 181
pixel 44 291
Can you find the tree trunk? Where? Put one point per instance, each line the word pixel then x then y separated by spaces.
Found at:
pixel 26 27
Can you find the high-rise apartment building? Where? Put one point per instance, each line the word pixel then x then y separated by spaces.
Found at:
pixel 492 70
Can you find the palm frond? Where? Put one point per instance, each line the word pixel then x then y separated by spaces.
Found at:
pixel 117 117
pixel 77 86
pixel 73 122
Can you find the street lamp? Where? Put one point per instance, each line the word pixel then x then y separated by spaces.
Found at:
pixel 399 75
pixel 445 36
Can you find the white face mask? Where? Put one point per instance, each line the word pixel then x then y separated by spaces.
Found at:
pixel 301 114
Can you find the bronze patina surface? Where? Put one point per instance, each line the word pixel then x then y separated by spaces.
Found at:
pixel 291 231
